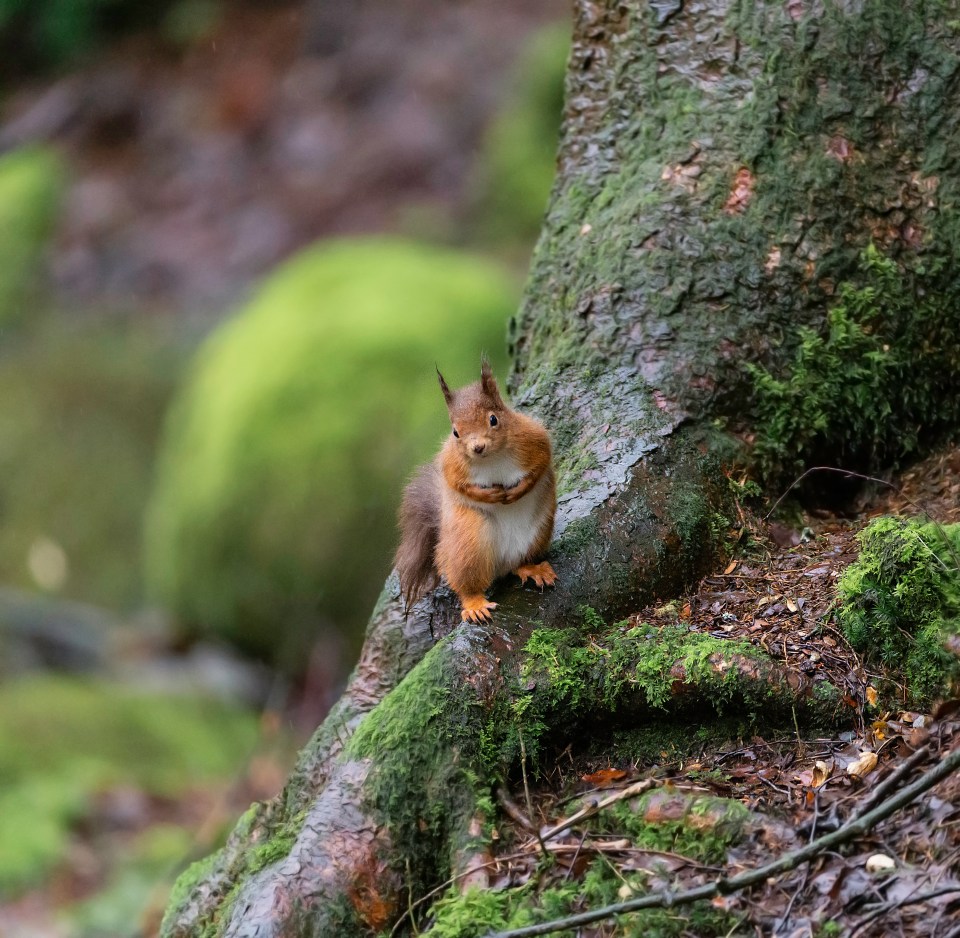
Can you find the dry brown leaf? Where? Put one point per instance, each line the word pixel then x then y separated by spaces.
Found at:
pixel 731 567
pixel 604 776
pixel 863 766
pixel 821 772
pixel 871 695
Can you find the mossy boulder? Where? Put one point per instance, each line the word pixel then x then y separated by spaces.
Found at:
pixel 62 740
pixel 285 454
pixel 31 185
pixel 901 602
pixel 518 160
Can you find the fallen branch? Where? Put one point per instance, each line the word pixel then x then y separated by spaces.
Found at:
pixel 856 827
pixel 595 807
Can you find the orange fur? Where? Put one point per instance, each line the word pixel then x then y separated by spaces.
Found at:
pixel 494 495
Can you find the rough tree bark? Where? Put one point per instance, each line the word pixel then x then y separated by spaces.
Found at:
pixel 724 167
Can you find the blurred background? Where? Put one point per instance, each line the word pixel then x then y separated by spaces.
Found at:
pixel 235 238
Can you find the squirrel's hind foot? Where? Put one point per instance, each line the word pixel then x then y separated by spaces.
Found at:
pixel 477 608
pixel 541 573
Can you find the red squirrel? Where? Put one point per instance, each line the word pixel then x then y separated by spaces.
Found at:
pixel 484 507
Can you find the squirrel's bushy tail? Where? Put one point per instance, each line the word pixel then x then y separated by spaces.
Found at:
pixel 419 531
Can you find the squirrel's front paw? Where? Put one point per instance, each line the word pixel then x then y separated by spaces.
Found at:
pixel 477 609
pixel 541 573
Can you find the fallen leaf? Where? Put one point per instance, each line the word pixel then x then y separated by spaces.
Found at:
pixel 731 567
pixel 863 766
pixel 604 776
pixel 871 695
pixel 821 772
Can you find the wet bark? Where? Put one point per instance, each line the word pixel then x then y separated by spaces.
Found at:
pixel 723 167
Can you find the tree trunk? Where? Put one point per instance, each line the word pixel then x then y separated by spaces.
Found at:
pixel 704 292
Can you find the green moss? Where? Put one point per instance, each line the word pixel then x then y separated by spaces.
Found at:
pixel 837 159
pixel 900 600
pixel 862 390
pixel 626 674
pixel 427 759
pixel 185 885
pixel 63 740
pixel 285 455
pixel 703 829
pixel 31 185
pixel 479 912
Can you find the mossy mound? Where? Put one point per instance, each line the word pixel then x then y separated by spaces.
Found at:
pixel 80 413
pixel 274 506
pixel 518 161
pixel 63 740
pixel 699 827
pixel 31 184
pixel 901 601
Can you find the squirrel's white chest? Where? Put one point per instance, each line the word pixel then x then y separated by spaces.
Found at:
pixel 513 529
pixel 496 470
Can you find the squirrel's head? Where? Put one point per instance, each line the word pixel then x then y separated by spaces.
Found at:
pixel 479 419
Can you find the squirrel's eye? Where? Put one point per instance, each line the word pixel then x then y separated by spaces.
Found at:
pixel 457 435
pixel 493 420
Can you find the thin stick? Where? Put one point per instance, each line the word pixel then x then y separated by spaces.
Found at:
pixel 512 809
pixel 595 807
pixel 893 780
pixel 859 475
pixel 856 827
pixel 526 792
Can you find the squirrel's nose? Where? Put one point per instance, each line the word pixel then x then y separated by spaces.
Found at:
pixel 478 448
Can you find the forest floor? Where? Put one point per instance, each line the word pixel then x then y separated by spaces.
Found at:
pixel 900 878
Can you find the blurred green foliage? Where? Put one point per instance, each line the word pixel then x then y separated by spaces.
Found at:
pixel 57 32
pixel 81 408
pixel 274 507
pixel 518 161
pixel 138 886
pixel 62 740
pixel 31 185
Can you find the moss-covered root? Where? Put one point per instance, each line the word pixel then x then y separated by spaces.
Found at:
pixel 395 812
pixel 633 677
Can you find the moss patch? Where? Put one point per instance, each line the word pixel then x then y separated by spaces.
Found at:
pixel 480 912
pixel 426 744
pixel 624 674
pixel 901 601
pixel 861 391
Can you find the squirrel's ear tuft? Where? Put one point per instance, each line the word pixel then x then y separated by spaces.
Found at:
pixel 447 393
pixel 488 383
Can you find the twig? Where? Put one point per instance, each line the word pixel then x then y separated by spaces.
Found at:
pixel 512 809
pixel 859 475
pixel 526 792
pixel 449 882
pixel 573 862
pixel 914 899
pixel 859 825
pixel 595 807
pixel 893 780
